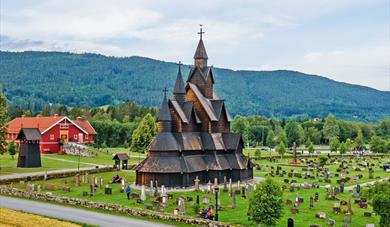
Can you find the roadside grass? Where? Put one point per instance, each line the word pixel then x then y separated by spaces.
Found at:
pixel 10 217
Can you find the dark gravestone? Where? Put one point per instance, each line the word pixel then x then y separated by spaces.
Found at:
pixel 85 194
pixel 316 197
pixel 197 199
pixel 311 202
pixel 290 222
pixel 108 191
pixel 358 188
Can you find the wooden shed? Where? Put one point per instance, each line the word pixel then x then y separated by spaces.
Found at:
pixel 29 151
pixel 120 157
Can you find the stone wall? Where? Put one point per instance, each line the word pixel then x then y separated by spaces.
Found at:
pixel 47 197
pixel 55 175
pixel 332 155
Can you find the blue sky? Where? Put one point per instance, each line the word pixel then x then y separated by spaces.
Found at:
pixel 345 40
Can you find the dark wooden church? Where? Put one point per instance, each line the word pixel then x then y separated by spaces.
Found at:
pixel 194 138
pixel 29 151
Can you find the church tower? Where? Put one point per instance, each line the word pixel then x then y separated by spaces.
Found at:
pixel 200 55
pixel 179 92
pixel 164 120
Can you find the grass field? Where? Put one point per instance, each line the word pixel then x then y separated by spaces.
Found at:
pixel 10 218
pixel 305 217
pixel 53 161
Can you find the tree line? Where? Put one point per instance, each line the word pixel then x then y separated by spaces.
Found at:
pixel 340 135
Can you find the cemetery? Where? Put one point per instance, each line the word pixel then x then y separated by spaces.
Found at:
pixel 323 194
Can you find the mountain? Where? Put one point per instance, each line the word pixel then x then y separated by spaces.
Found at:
pixel 35 79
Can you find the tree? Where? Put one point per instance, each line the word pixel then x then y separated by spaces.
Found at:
pixel 281 149
pixel 294 133
pixel 281 136
pixel 240 125
pixel 314 135
pixel 334 144
pixel 266 203
pixel 3 122
pixel 143 134
pixel 311 148
pixel 322 160
pixel 377 144
pixel 359 141
pixel 331 128
pixel 349 144
pixel 343 148
pixel 381 202
pixel 270 141
pixel 12 149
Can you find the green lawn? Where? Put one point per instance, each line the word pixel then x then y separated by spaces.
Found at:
pixel 305 217
pixel 8 165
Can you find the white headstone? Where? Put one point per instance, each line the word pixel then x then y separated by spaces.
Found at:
pixel 143 194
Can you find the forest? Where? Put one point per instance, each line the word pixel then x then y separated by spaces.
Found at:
pixel 34 80
pixel 133 126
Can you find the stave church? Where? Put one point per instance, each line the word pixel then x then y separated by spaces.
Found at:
pixel 194 138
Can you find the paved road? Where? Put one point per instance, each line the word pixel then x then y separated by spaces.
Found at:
pixel 72 214
pixel 72 161
pixel 367 183
pixel 42 173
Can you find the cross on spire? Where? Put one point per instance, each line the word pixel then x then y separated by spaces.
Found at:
pixel 201 32
pixel 165 90
pixel 179 64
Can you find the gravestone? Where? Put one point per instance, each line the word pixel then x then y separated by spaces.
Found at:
pixel 311 202
pixel 234 203
pixel 165 201
pixel 181 206
pixel 358 188
pixel 316 197
pixel 341 186
pixel 243 193
pixel 123 185
pixel 143 194
pixel 290 222
pixel 100 182
pixel 163 190
pixel 209 187
pixel 108 191
pixel 151 189
pixel 331 222
pixel 197 199
pixel 45 176
pixel 225 189
pixel 197 184
pixel 205 200
pixel 91 189
pixel 77 180
pixel 215 182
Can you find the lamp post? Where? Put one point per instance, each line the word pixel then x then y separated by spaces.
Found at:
pixel 216 189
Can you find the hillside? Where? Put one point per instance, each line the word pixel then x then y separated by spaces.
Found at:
pixel 38 78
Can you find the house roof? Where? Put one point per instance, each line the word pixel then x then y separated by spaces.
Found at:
pixel 121 156
pixel 43 124
pixel 29 134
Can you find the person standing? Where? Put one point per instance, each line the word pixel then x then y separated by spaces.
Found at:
pixel 128 191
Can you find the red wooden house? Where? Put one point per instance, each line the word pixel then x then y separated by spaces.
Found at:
pixel 55 131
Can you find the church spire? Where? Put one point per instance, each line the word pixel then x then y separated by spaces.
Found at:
pixel 179 91
pixel 200 55
pixel 164 118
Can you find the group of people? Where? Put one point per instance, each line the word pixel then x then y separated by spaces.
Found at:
pixel 207 213
pixel 117 180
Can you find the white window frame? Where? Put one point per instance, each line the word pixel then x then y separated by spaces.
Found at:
pixel 75 137
pixel 86 136
pixel 51 136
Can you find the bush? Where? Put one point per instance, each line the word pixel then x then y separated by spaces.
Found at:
pixel 323 160
pixel 266 203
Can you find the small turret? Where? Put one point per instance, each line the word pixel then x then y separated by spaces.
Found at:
pixel 179 92
pixel 164 120
pixel 200 55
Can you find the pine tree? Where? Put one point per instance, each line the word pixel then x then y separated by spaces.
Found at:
pixel 281 149
pixel 331 128
pixel 143 134
pixel 12 149
pixel 270 139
